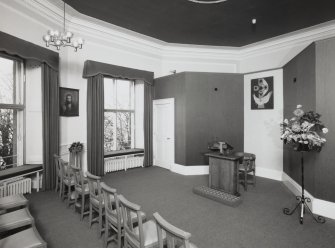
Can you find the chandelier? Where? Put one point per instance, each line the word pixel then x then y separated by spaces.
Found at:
pixel 207 1
pixel 62 39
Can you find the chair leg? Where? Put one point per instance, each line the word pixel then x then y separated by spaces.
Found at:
pixel 100 222
pixel 57 178
pixel 254 172
pixel 106 233
pixel 246 181
pixel 69 196
pixel 90 216
pixel 119 235
pixel 60 188
pixel 82 206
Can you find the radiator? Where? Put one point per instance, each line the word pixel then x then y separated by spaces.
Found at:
pixel 2 191
pixel 123 163
pixel 15 186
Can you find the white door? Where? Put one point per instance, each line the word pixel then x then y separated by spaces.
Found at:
pixel 163 132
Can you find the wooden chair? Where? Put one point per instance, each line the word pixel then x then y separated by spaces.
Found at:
pixel 144 235
pixel 59 181
pixel 96 200
pixel 81 190
pixel 27 238
pixel 175 237
pixel 67 181
pixel 113 215
pixel 246 167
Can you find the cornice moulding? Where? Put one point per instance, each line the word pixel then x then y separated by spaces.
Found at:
pixel 119 38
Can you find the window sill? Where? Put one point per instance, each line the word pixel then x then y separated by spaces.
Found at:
pixel 123 152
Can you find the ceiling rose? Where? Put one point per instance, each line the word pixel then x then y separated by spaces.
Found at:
pixel 207 1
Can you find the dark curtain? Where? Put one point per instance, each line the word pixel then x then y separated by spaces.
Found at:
pixel 95 125
pixel 50 100
pixel 148 148
pixel 26 50
pixel 93 68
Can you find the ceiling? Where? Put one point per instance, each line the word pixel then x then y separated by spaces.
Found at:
pixel 223 24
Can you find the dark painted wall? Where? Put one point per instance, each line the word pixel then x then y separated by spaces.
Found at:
pixel 314 69
pixel 211 113
pixel 201 113
pixel 325 105
pixel 299 88
pixel 174 87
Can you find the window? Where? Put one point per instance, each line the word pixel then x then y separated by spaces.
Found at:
pixel 119 124
pixel 11 112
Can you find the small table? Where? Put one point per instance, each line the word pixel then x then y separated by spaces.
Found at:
pixel 223 172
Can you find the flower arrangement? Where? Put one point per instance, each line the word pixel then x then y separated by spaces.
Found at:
pixel 76 147
pixel 304 131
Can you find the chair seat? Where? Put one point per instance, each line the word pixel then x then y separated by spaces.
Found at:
pixel 113 219
pixel 27 238
pixel 68 182
pixel 15 219
pixel 13 201
pixel 96 203
pixel 86 189
pixel 242 168
pixel 149 233
pixel 191 246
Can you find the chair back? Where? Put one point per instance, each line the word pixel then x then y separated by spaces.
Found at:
pixel 57 164
pixel 112 208
pixel 249 161
pixel 174 235
pixel 65 170
pixel 129 222
pixel 94 186
pixel 78 177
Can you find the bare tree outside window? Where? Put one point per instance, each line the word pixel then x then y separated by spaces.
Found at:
pixel 119 115
pixel 9 70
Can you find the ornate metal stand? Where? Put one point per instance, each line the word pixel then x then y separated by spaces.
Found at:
pixel 302 200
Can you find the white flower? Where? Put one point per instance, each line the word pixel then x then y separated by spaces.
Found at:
pixel 325 130
pixel 286 121
pixel 299 106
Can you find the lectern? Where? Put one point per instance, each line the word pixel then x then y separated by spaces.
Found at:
pixel 223 172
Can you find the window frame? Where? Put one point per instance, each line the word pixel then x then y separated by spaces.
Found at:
pixel 19 108
pixel 115 110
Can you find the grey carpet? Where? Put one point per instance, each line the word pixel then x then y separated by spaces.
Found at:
pixel 257 223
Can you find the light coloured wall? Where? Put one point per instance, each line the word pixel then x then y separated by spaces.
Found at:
pixel 262 130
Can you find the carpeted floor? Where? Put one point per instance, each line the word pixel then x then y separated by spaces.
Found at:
pixel 257 223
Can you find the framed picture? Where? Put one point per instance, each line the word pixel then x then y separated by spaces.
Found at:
pixel 262 93
pixel 68 102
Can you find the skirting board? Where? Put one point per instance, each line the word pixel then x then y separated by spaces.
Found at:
pixel 321 207
pixel 190 170
pixel 268 173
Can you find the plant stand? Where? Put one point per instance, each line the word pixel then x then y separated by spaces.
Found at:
pixel 302 200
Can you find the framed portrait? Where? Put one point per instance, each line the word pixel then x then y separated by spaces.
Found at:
pixel 68 102
pixel 262 93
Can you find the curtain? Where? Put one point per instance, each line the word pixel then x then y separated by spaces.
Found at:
pixel 95 125
pixel 93 68
pixel 148 140
pixel 50 100
pixel 24 49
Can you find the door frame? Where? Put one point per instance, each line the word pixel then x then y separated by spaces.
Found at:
pixel 172 117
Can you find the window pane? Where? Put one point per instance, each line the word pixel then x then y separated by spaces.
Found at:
pixel 7 138
pixel 6 81
pixel 109 93
pixel 123 130
pixel 123 94
pixel 109 126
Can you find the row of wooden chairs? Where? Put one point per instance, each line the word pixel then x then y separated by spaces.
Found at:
pixel 117 217
pixel 17 226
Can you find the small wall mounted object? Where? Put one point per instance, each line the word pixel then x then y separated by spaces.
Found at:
pixel 262 93
pixel 68 102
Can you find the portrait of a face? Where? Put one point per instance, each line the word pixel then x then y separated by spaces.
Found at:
pixel 68 102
